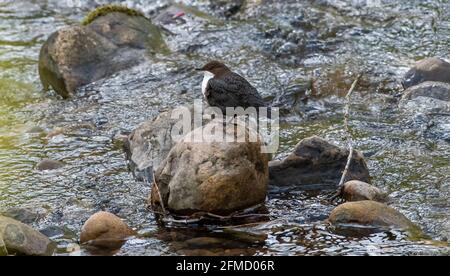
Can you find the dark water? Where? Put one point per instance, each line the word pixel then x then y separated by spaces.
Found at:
pixel 280 46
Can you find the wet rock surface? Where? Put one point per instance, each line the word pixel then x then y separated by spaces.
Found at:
pixel 21 239
pixel 24 215
pixel 429 97
pixel 429 69
pixel 213 177
pixel 359 191
pixel 49 164
pixel 371 213
pixel 316 164
pixel 105 230
pixel 76 56
pixel 150 143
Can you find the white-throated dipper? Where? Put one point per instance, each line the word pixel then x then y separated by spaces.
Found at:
pixel 223 88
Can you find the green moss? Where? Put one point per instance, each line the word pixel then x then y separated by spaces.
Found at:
pixel 106 9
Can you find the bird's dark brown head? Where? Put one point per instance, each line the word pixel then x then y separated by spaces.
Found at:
pixel 215 67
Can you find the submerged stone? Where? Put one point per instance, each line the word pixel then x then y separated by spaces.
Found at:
pixel 49 164
pixel 371 213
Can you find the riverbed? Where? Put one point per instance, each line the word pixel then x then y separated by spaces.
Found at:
pixel 282 47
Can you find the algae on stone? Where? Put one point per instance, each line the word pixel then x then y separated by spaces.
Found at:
pixel 106 9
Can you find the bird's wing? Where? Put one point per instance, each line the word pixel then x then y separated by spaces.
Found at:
pixel 233 90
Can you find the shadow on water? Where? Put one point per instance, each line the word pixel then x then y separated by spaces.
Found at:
pixel 280 46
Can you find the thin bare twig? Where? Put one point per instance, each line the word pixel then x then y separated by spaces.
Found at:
pixel 349 137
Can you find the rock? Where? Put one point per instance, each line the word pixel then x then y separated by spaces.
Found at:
pixel 214 177
pixel 316 164
pixel 371 213
pixel 436 90
pixel 21 239
pixel 148 145
pixel 427 97
pixel 207 242
pixel 53 232
pixel 35 130
pixel 3 250
pixel 104 229
pixel 49 164
pixel 23 215
pixel 113 38
pixel 227 8
pixel 359 191
pixel 429 69
pixel 293 99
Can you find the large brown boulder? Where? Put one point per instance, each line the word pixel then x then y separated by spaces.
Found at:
pixel 104 229
pixel 17 238
pixel 317 164
pixel 371 213
pixel 429 69
pixel 111 40
pixel 210 176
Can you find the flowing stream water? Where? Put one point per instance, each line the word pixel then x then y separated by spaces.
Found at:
pixel 280 46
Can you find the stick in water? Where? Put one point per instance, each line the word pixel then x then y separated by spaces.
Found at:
pixel 349 137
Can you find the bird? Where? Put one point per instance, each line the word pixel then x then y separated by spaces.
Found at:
pixel 224 88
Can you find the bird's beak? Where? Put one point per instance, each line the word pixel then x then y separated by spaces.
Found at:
pixel 198 69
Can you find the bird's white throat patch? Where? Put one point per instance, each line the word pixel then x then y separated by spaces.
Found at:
pixel 206 78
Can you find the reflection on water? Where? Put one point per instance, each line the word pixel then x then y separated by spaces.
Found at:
pixel 277 46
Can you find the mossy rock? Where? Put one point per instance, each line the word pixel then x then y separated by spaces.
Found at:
pixel 111 40
pixel 106 9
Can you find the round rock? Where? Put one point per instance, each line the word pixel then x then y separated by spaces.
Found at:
pixel 105 229
pixel 358 191
pixel 211 176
